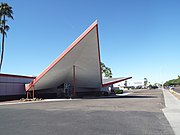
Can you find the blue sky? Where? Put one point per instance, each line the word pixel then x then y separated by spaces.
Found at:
pixel 138 38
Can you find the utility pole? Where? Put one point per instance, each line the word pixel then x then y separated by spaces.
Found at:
pixel 74 78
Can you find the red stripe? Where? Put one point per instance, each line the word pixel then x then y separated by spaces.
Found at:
pixel 99 55
pixel 74 77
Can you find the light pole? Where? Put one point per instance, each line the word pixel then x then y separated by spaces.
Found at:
pixel 162 85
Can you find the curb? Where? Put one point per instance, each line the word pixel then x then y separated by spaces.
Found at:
pixel 30 102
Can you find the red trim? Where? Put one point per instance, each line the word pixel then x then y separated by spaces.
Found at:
pixel 74 77
pixel 99 54
pixel 27 94
pixel 19 76
pixel 62 55
pixel 120 80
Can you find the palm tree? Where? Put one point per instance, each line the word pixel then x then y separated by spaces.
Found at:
pixel 5 11
pixel 145 82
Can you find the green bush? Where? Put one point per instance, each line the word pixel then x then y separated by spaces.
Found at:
pixel 118 91
pixel 173 82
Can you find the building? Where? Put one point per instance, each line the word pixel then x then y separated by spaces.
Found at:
pixel 130 83
pixel 76 72
pixel 13 86
pixel 77 69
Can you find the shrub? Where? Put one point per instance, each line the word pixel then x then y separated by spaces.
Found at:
pixel 118 91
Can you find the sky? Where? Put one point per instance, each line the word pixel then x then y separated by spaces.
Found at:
pixel 138 38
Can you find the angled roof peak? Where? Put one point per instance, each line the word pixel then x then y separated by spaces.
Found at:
pixel 83 53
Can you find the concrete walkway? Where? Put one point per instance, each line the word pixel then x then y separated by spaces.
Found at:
pixel 172 111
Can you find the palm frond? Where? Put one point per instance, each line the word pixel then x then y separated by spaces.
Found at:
pixel 1 30
pixel 6 28
pixel 6 10
pixel 3 22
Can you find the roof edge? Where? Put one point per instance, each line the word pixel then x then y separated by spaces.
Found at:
pixel 113 82
pixel 13 75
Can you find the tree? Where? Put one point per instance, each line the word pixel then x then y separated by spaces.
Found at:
pixel 145 82
pixel 5 12
pixel 102 67
pixel 173 82
pixel 106 71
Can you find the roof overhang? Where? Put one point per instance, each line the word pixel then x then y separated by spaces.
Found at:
pixel 110 81
pixel 17 76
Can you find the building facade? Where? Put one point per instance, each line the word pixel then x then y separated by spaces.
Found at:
pixel 12 86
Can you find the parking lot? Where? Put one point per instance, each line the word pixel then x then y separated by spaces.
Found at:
pixel 139 113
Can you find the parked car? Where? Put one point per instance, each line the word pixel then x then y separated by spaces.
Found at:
pixel 153 87
pixel 171 88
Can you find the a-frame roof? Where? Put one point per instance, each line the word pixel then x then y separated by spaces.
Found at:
pixel 84 55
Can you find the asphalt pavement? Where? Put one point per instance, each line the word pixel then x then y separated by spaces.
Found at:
pixel 139 113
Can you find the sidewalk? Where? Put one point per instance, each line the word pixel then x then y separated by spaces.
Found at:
pixel 172 111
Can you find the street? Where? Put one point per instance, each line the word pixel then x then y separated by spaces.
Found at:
pixel 139 113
